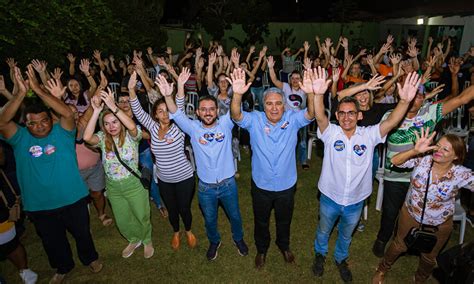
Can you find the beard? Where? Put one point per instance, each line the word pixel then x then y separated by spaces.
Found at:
pixel 204 121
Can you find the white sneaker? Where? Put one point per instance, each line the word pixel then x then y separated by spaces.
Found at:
pixel 128 251
pixel 28 276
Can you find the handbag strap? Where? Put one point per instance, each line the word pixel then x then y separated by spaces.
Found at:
pixel 122 162
pixel 428 180
pixel 9 184
pixel 4 199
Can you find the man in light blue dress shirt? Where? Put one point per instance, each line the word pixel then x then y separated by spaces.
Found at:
pixel 211 139
pixel 273 138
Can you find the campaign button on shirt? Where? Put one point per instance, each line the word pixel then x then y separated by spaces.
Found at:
pixel 360 149
pixel 49 149
pixel 209 136
pixel 418 122
pixel 169 138
pixel 36 151
pixel 339 145
pixel 219 136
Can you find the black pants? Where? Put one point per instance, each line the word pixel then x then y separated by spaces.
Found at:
pixel 394 194
pixel 177 198
pixel 263 201
pixel 51 227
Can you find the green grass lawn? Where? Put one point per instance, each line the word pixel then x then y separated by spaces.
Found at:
pixel 188 265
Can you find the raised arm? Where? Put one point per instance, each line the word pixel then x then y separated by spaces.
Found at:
pixel 407 93
pixel 261 55
pixel 3 90
pixel 166 90
pixel 320 85
pixel 72 62
pixel 98 57
pixel 249 55
pixel 53 99
pixel 88 136
pixel 182 79
pixel 384 49
pixel 8 128
pixel 84 67
pixel 273 77
pixel 237 80
pixel 423 145
pixel 210 67
pixel 40 67
pixel 373 84
pixel 465 97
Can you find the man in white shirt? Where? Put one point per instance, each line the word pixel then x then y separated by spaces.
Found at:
pixel 346 177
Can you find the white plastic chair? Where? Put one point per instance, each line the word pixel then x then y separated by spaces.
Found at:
pixel 312 134
pixel 460 215
pixel 379 174
pixel 190 111
pixel 151 73
pixel 114 86
pixel 193 98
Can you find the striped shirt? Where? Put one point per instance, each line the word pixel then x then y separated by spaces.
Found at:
pixel 170 160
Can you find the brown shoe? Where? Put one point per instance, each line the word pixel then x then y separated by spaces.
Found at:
pixel 57 278
pixel 379 277
pixel 288 256
pixel 175 241
pixel 96 266
pixel 260 260
pixel 192 241
pixel 149 250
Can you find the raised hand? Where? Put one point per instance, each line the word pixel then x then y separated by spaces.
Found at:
pixel 412 51
pixel 108 99
pixel 219 50
pixel 237 80
pixel 11 62
pixel 235 57
pixel 435 91
pixel 390 39
pixel 370 59
pixel 395 58
pixel 71 58
pixel 410 87
pixel 375 82
pixel 385 47
pixel 320 81
pixel 96 55
pixel 30 72
pixel 84 66
pixel 328 42
pixel 424 141
pixel 132 83
pixel 270 62
pixel 212 58
pixel 306 46
pixel 57 73
pixel 103 81
pixel 345 43
pixel 336 74
pixel 183 77
pixel 430 40
pixel 252 49
pixel 307 84
pixel 166 89
pixel 2 84
pixel 22 84
pixel 97 104
pixel 39 66
pixel 263 52
pixel 55 88
pixel 307 63
pixel 454 65
pixel 363 52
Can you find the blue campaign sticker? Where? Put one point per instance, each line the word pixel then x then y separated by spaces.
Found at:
pixel 169 138
pixel 219 136
pixel 209 136
pixel 339 145
pixel 360 149
pixel 443 191
pixel 36 151
pixel 418 122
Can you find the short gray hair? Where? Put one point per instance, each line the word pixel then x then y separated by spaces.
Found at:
pixel 274 90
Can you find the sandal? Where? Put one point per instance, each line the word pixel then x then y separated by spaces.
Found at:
pixel 106 220
pixel 163 211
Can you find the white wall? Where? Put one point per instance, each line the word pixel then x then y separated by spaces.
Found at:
pixel 468 23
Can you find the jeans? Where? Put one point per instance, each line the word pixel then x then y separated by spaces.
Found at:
pixel 258 94
pixel 329 212
pixel 302 147
pixel 147 163
pixel 263 201
pixel 209 195
pixel 394 194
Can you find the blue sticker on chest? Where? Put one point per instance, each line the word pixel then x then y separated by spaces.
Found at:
pixel 360 149
pixel 339 145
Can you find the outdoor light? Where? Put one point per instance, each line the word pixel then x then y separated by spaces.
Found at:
pixel 419 21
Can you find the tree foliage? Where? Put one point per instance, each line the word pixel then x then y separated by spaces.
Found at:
pixel 48 29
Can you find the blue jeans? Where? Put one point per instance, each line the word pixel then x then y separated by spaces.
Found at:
pixel 147 162
pixel 329 211
pixel 209 195
pixel 258 94
pixel 302 147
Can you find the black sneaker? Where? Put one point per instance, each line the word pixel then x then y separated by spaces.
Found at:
pixel 344 271
pixel 318 265
pixel 242 247
pixel 212 251
pixel 378 248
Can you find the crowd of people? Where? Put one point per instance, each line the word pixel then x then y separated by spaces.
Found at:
pixel 159 121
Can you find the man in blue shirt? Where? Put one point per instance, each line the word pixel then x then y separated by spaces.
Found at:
pixel 273 139
pixel 53 192
pixel 211 139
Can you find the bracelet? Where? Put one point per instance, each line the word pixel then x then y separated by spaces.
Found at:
pixel 116 111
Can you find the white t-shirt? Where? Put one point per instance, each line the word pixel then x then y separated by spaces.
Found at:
pixel 346 176
pixel 295 99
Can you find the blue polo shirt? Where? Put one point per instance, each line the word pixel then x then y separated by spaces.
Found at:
pixel 47 169
pixel 274 148
pixel 212 146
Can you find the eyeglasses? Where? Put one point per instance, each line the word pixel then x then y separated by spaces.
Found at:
pixel 124 102
pixel 204 109
pixel 351 113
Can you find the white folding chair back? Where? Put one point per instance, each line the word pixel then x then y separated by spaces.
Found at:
pixel 151 73
pixel 190 111
pixel 460 215
pixel 193 98
pixel 114 87
pixel 265 81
